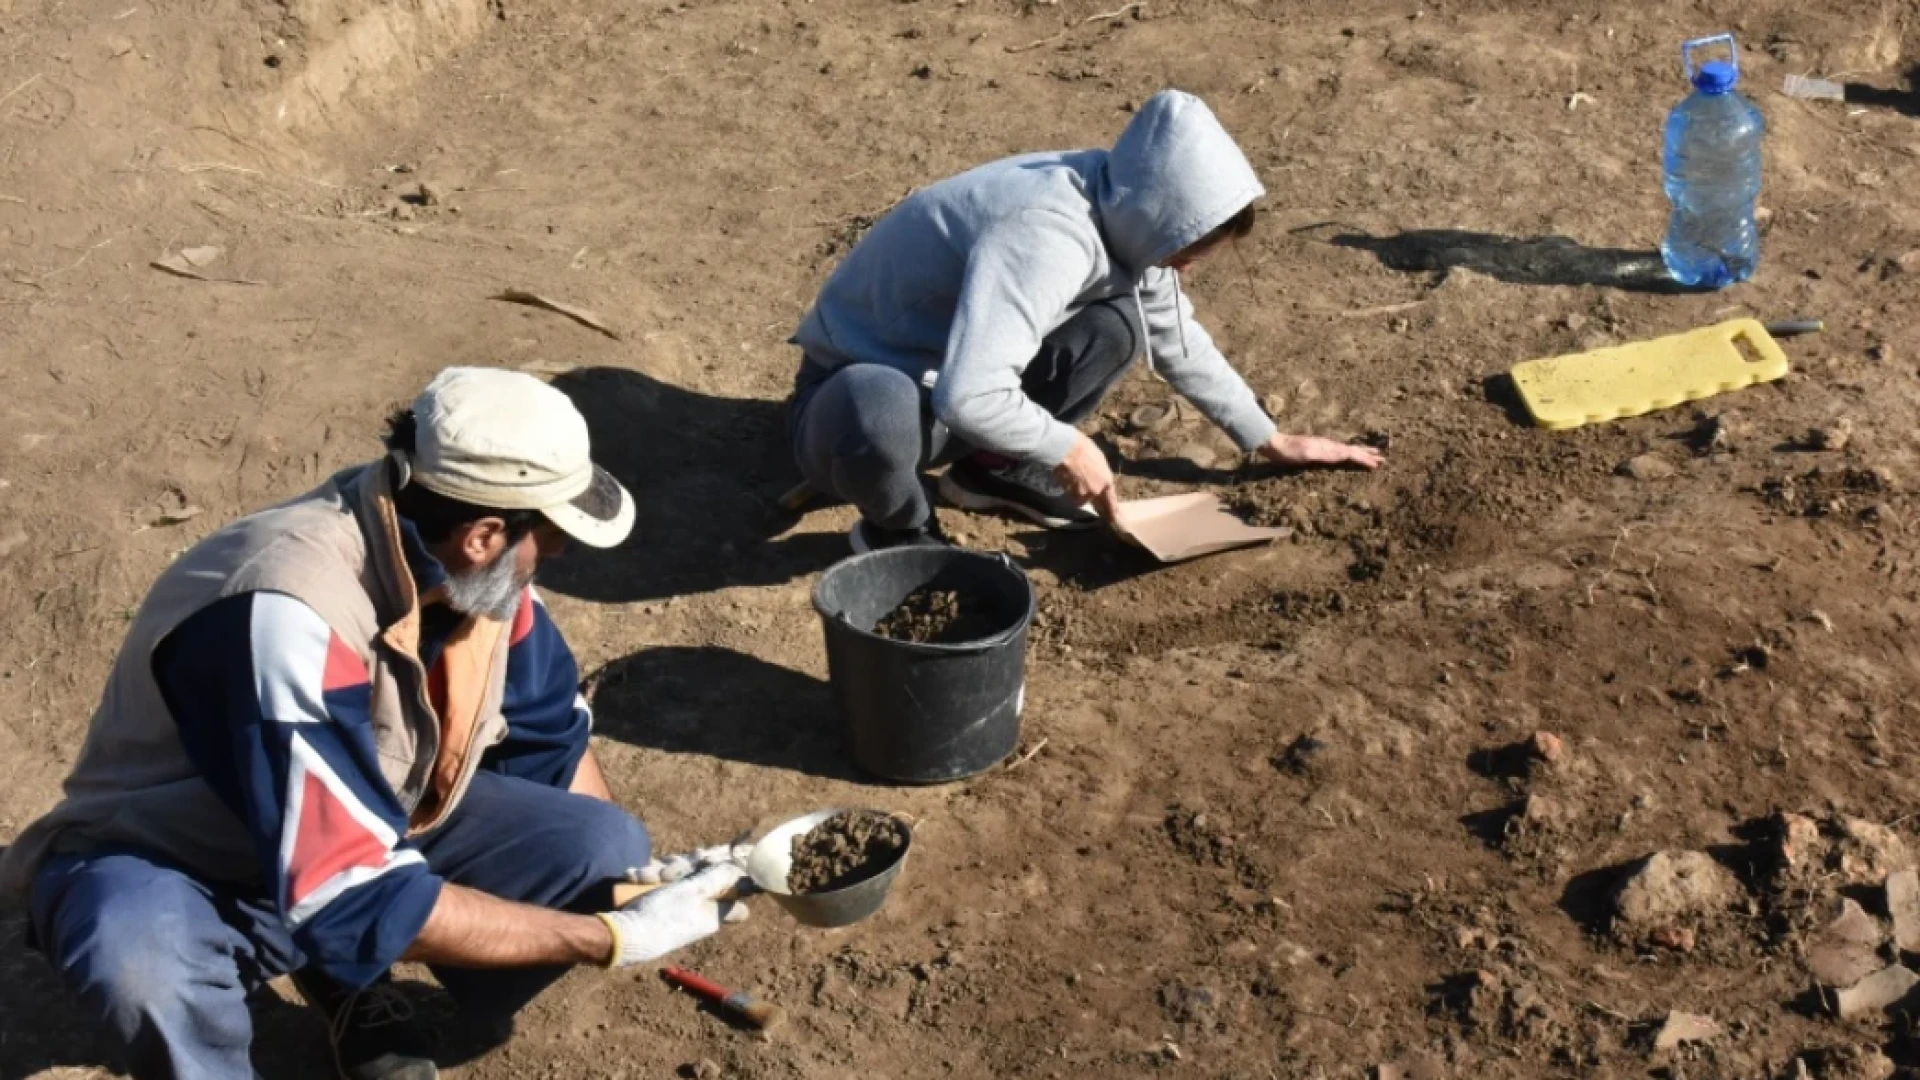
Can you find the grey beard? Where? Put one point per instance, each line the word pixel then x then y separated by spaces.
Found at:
pixel 491 591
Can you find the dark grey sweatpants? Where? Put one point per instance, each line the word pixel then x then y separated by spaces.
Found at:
pixel 864 433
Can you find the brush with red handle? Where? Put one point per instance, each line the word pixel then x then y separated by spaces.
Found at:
pixel 737 1004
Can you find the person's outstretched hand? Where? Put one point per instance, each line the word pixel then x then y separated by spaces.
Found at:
pixel 1312 450
pixel 1085 476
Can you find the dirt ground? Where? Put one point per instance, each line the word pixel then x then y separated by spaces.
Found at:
pixel 1277 813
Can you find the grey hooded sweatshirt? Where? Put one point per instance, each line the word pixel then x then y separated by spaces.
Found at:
pixel 957 285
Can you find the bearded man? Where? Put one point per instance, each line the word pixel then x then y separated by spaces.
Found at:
pixel 344 732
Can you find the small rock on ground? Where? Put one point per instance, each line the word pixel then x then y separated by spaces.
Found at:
pixel 1903 903
pixel 1546 746
pixel 1870 852
pixel 1677 938
pixel 1831 437
pixel 1877 992
pixel 1718 435
pixel 1648 467
pixel 1847 949
pixel 1799 835
pixel 1681 1028
pixel 1542 810
pixel 1854 925
pixel 1151 417
pixel 1841 963
pixel 1673 886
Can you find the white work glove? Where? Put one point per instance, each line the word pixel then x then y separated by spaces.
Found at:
pixel 675 867
pixel 674 915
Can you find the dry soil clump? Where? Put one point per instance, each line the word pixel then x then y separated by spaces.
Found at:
pixel 930 616
pixel 844 850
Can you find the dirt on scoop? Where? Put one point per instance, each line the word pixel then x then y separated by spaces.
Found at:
pixel 844 850
pixel 930 616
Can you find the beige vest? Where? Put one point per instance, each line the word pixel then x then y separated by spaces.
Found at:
pixel 336 549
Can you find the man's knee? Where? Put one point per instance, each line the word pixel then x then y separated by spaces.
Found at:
pixel 143 976
pixel 611 841
pixel 1110 333
pixel 877 412
pixel 137 977
pixel 133 940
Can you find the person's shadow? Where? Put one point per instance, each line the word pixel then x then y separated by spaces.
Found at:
pixel 43 1026
pixel 724 704
pixel 1534 260
pixel 706 474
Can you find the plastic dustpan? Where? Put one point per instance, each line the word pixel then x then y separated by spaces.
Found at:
pixel 1179 527
pixel 1628 380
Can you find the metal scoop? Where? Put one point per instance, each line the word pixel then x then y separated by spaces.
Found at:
pixel 768 863
pixel 770 860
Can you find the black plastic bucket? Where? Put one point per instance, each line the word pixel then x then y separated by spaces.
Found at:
pixel 918 713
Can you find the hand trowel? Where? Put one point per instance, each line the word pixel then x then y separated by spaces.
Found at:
pixel 1175 528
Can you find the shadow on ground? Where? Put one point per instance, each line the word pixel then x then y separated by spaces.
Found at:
pixel 706 474
pixel 1491 827
pixel 1906 102
pixel 1585 898
pixel 1534 260
pixel 1089 559
pixel 724 704
pixel 1504 394
pixel 45 1027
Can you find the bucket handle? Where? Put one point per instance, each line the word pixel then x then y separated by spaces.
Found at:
pixel 1688 48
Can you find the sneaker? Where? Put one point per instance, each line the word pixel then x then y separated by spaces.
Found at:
pixel 1025 489
pixel 867 536
pixel 371 1030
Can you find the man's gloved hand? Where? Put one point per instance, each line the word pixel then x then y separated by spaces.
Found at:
pixel 675 867
pixel 675 915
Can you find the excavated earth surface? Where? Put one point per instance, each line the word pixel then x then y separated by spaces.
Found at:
pixel 1291 817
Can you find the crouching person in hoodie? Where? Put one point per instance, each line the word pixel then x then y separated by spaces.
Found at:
pixel 984 316
pixel 344 732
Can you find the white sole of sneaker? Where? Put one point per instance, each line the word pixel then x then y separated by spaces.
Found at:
pixel 857 539
pixel 970 500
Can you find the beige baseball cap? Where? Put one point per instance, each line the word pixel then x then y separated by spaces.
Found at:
pixel 508 441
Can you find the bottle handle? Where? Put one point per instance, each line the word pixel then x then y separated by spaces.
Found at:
pixel 1687 50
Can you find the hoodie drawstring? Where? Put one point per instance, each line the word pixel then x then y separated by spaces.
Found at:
pixel 1140 306
pixel 1179 321
pixel 1180 315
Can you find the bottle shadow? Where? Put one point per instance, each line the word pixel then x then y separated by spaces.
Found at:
pixel 1905 102
pixel 1534 260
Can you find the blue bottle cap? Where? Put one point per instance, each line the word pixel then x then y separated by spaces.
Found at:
pixel 1715 77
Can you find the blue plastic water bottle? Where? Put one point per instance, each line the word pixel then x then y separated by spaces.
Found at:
pixel 1713 175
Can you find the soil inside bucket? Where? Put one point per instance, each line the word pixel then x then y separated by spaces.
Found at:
pixel 930 616
pixel 844 850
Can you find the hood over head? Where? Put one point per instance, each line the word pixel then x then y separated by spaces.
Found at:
pixel 1174 176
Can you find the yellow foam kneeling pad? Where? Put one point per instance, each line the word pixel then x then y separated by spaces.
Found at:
pixel 1627 380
